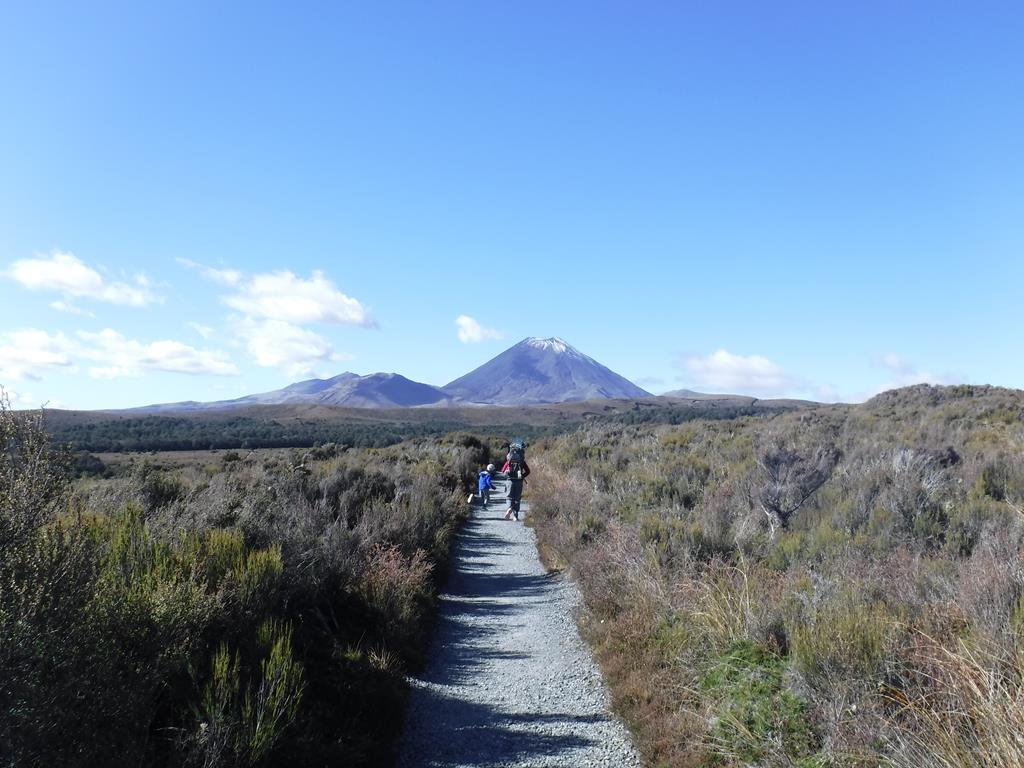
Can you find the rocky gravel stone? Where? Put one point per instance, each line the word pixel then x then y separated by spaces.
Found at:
pixel 509 681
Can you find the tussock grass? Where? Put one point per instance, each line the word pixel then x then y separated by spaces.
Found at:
pixel 969 712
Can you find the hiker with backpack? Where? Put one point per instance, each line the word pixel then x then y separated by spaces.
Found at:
pixel 484 484
pixel 516 470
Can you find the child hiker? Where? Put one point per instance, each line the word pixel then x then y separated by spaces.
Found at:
pixel 485 485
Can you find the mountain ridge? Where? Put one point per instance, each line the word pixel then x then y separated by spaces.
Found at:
pixel 535 371
pixel 375 390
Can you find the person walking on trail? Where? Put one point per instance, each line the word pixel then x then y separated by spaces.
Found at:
pixel 516 470
pixel 485 485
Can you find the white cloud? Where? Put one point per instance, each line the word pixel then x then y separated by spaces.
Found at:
pixel 284 297
pixel 894 362
pixel 203 330
pixel 826 393
pixel 649 382
pixel 126 357
pixel 724 372
pixel 917 377
pixel 222 276
pixel 27 354
pixel 276 343
pixel 275 307
pixel 68 275
pixel 903 373
pixel 19 399
pixel 471 332
pixel 71 309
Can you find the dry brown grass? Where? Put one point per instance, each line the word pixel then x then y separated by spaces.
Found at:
pixel 968 712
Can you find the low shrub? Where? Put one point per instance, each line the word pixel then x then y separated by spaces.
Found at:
pixel 399 590
pixel 245 707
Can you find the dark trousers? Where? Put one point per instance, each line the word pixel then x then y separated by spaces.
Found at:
pixel 515 495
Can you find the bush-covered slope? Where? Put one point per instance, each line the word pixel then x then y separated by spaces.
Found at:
pixel 246 613
pixel 826 587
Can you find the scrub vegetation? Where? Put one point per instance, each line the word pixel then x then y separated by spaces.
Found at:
pixel 829 587
pixel 815 586
pixel 252 611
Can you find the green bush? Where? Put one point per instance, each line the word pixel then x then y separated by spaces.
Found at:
pixel 245 708
pixel 755 720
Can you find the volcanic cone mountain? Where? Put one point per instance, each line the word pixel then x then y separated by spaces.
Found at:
pixel 541 371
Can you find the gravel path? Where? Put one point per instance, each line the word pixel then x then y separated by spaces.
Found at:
pixel 509 681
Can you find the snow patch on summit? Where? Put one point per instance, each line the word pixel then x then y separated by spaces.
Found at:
pixel 554 344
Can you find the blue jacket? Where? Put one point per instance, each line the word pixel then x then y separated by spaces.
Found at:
pixel 485 480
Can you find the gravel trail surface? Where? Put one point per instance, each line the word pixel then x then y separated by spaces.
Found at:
pixel 509 681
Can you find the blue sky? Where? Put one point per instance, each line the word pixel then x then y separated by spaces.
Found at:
pixel 203 200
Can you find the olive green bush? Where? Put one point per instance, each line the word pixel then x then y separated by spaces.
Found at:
pixel 249 612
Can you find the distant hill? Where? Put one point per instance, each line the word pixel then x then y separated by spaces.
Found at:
pixel 381 390
pixel 537 371
pixel 377 390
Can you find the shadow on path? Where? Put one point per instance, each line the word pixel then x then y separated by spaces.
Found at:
pixel 476 734
pixel 509 683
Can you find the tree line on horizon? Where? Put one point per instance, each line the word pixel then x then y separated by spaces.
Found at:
pixel 170 433
pixel 220 432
